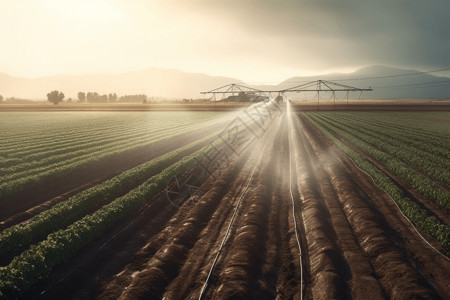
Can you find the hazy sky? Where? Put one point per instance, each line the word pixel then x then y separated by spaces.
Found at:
pixel 256 41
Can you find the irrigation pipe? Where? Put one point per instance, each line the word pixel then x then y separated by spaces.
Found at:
pixel 404 216
pixel 398 207
pixel 101 247
pixel 227 233
pixel 293 201
pixel 133 221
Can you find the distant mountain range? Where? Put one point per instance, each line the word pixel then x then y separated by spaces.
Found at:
pixel 386 82
pixel 174 84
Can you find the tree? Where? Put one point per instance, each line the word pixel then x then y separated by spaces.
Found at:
pixel 92 97
pixel 81 97
pixel 55 97
pixel 89 96
pixel 133 98
pixel 112 97
pixel 1 98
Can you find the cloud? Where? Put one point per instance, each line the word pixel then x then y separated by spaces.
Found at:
pixel 248 39
pixel 338 33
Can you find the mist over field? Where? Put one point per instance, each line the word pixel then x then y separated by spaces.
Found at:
pixel 226 149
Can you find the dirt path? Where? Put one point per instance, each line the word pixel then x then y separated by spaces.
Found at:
pixel 354 242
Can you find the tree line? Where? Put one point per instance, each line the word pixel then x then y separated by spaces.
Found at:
pixel 94 97
pixel 56 97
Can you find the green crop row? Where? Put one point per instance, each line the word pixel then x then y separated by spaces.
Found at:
pixel 36 160
pixel 67 147
pixel 419 182
pixel 66 212
pixel 397 126
pixel 36 176
pixel 418 216
pixel 87 140
pixel 404 140
pixel 55 141
pixel 24 132
pixel 103 148
pixel 434 166
pixel 33 148
pixel 37 262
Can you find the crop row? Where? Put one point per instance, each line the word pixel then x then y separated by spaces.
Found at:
pixel 59 146
pixel 66 212
pixel 54 140
pixel 54 144
pixel 400 125
pixel 407 162
pixel 104 147
pixel 39 136
pixel 394 159
pixel 37 262
pixel 435 140
pixel 57 139
pixel 17 181
pixel 47 129
pixel 418 216
pixel 37 160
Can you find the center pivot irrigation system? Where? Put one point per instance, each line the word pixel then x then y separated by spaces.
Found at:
pixel 317 86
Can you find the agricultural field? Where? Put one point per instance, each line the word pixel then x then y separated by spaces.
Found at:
pixel 407 154
pixel 264 203
pixel 42 154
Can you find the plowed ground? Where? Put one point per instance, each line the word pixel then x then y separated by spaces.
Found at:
pixel 354 242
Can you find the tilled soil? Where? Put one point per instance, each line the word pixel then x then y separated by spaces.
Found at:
pixel 354 243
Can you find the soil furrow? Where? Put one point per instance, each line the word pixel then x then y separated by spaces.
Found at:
pixel 432 266
pixel 186 215
pixel 354 242
pixel 360 275
pixel 328 280
pixel 397 276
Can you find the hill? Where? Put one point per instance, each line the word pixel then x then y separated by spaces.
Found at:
pixel 162 83
pixel 387 83
pixel 174 84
